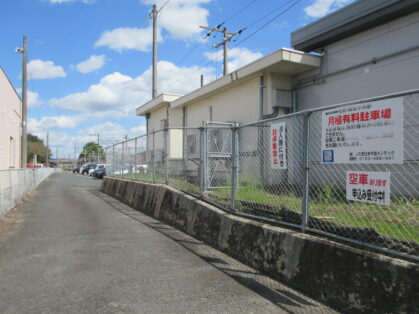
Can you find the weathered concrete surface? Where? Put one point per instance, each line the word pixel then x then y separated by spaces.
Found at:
pixel 346 278
pixel 77 250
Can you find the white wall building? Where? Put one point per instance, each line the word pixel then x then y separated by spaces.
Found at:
pixel 10 124
pixel 369 48
pixel 366 49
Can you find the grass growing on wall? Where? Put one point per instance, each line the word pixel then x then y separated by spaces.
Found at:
pixel 398 220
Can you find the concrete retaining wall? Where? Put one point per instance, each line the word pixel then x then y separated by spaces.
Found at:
pixel 346 278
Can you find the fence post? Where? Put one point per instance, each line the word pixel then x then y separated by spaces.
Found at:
pixel 306 168
pixel 203 159
pixel 154 158
pixel 234 165
pixel 113 160
pixel 135 159
pixel 122 159
pixel 166 135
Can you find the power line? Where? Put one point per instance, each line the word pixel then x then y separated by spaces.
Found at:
pixel 251 24
pixel 269 14
pixel 161 8
pixel 192 49
pixel 238 12
pixel 217 27
pixel 269 22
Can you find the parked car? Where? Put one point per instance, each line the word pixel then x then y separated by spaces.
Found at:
pixel 87 168
pixel 81 168
pixel 76 170
pixel 98 166
pixel 99 173
pixel 141 169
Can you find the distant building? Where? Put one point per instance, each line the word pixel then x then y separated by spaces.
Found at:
pixel 10 124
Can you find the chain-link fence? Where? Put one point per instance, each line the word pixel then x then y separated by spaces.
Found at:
pixel 348 171
pixel 16 183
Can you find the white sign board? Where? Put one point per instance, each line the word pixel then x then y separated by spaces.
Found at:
pixel 364 133
pixel 368 187
pixel 278 148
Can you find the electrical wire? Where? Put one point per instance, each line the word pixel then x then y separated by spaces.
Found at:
pixel 218 26
pixel 292 2
pixel 238 12
pixel 269 22
pixel 163 6
pixel 193 48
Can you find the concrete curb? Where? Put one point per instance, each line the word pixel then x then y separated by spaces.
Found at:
pixel 346 278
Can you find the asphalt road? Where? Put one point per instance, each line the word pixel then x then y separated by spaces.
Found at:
pixel 76 250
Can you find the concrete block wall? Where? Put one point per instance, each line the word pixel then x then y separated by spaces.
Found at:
pixel 346 278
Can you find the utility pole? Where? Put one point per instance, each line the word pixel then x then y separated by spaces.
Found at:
pixel 56 155
pixel 154 13
pixel 75 156
pixel 98 148
pixel 24 138
pixel 226 38
pixel 47 153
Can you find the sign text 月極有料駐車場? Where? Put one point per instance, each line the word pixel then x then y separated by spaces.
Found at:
pixel 363 133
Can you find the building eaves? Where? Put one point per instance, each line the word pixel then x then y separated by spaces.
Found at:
pixel 350 20
pixel 156 103
pixel 285 61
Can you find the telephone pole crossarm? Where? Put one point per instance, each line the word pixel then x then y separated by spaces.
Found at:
pixel 227 37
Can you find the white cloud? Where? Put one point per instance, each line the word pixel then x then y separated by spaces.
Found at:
pixel 321 8
pixel 237 57
pixel 69 1
pixel 53 123
pixel 110 133
pixel 182 18
pixel 92 64
pixel 118 95
pixel 121 39
pixel 38 69
pixel 33 98
pixel 137 131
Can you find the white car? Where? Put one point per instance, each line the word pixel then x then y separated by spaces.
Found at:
pixel 82 168
pixel 142 169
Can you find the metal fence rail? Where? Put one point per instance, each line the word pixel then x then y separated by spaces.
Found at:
pixel 277 170
pixel 16 183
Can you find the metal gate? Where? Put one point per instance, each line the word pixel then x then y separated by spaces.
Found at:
pixel 218 155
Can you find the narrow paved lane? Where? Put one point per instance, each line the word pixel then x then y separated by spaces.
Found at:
pixel 80 251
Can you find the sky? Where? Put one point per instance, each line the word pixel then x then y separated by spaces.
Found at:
pixel 89 61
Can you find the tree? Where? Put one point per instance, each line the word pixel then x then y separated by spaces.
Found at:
pixel 92 152
pixel 36 147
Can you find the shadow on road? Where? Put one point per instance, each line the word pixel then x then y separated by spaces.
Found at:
pixel 286 298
